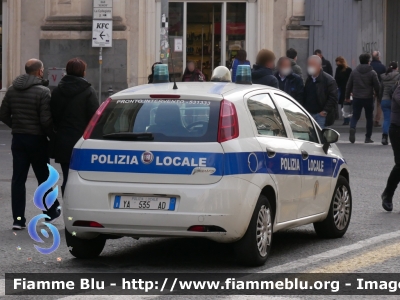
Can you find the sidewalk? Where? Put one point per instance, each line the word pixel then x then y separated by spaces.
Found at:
pixel 361 127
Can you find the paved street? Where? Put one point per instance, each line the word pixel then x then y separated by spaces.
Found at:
pixel 372 243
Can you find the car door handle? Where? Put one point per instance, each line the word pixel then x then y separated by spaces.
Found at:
pixel 304 154
pixel 271 153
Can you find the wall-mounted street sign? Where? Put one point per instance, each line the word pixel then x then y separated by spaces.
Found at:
pixel 102 33
pixel 102 9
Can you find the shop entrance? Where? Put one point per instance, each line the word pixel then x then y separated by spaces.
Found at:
pixel 209 34
pixel 203 38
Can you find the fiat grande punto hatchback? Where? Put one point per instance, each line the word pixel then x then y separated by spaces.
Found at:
pixel 228 162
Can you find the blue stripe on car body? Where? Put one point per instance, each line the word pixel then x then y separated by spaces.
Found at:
pixel 233 163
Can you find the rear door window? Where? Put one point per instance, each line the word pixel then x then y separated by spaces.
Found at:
pixel 161 120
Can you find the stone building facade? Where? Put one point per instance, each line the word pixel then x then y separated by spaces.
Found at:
pixel 57 30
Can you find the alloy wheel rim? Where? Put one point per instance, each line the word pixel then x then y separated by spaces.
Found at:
pixel 264 230
pixel 341 207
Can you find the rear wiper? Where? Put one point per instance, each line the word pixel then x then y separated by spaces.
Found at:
pixel 129 136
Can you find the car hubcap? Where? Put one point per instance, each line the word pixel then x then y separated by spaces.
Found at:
pixel 341 207
pixel 264 230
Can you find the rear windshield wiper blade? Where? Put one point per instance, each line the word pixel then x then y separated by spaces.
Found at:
pixel 129 136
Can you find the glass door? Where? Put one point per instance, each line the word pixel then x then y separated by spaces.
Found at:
pixel 203 36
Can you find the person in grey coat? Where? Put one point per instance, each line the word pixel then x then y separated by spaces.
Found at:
pixel 26 110
pixel 389 79
pixel 363 82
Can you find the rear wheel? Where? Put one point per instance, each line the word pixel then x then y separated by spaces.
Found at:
pixel 336 223
pixel 81 248
pixel 254 248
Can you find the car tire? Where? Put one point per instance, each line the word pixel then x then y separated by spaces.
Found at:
pixel 81 248
pixel 255 246
pixel 336 223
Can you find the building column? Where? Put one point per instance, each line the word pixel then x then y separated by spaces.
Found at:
pixel 11 42
pixel 265 24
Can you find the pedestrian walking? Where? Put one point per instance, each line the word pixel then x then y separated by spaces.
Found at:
pixel 320 93
pixel 240 59
pixel 389 79
pixel 292 55
pixel 342 76
pixel 326 64
pixel 262 71
pixel 192 73
pixel 73 103
pixel 289 82
pixel 26 110
pixel 363 82
pixel 380 69
pixel 394 134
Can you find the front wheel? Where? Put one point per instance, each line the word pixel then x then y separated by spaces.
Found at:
pixel 336 223
pixel 255 246
pixel 81 248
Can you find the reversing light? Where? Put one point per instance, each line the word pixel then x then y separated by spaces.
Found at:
pixel 161 74
pixel 197 228
pixel 206 228
pixel 243 74
pixel 95 119
pixel 87 224
pixel 228 128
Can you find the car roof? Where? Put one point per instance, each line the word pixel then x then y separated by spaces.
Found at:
pixel 187 89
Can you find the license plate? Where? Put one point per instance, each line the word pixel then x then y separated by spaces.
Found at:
pixel 146 203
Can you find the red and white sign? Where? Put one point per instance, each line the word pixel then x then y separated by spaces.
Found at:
pixel 54 75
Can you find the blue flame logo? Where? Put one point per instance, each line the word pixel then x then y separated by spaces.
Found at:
pixel 38 201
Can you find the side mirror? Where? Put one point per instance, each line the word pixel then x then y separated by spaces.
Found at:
pixel 330 137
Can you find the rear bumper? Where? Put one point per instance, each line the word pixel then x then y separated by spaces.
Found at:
pixel 228 204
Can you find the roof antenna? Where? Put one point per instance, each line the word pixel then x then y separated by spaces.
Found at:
pixel 173 71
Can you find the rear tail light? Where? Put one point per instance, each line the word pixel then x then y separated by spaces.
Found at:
pixel 228 128
pixel 87 224
pixel 95 119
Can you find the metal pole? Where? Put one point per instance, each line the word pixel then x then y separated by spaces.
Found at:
pixel 202 47
pixel 164 41
pixel 100 71
pixel 212 37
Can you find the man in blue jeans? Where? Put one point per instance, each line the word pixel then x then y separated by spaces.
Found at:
pixel 363 82
pixel 320 97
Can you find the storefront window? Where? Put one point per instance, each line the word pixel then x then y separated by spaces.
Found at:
pixel 235 30
pixel 202 43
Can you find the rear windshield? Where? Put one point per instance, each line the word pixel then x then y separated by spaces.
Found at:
pixel 165 120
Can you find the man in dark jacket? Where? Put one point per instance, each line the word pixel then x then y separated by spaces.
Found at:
pixel 363 82
pixel 25 109
pixel 320 93
pixel 262 71
pixel 73 104
pixel 380 69
pixel 326 64
pixel 289 82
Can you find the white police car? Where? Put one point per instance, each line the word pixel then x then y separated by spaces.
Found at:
pixel 229 162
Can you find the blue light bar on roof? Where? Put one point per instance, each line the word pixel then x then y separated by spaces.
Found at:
pixel 161 74
pixel 243 74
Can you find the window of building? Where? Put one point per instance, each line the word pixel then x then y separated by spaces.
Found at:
pixel 301 125
pixel 265 116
